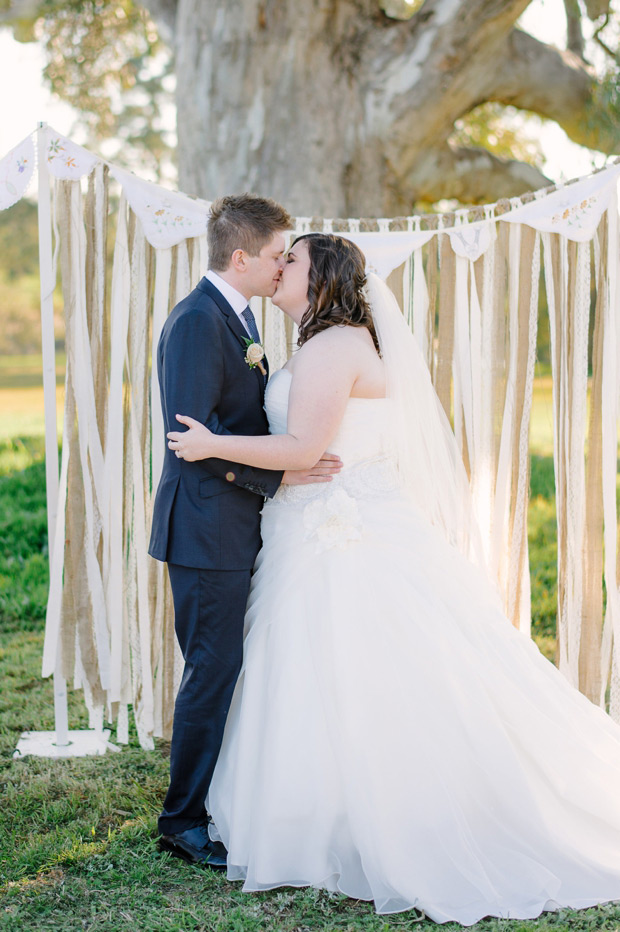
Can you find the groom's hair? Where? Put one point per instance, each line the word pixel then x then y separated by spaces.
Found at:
pixel 242 221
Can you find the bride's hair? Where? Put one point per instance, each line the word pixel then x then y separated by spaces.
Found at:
pixel 336 282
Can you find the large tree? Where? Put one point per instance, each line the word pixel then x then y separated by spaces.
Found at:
pixel 338 108
pixel 349 107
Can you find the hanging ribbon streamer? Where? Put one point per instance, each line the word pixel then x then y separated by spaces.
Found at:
pixel 470 292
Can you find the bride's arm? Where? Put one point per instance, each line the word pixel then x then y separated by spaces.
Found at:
pixel 325 370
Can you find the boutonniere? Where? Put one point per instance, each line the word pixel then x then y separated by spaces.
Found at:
pixel 254 355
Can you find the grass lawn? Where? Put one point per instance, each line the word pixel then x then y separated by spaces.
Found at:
pixel 77 848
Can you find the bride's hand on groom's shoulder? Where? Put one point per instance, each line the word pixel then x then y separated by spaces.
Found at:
pixel 192 444
pixel 328 466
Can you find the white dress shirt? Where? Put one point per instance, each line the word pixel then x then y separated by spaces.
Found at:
pixel 234 297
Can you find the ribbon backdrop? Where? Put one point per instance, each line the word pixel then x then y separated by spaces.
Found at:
pixel 469 284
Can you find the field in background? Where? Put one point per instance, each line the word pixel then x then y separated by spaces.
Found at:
pixel 21 402
pixel 541 421
pixel 21 396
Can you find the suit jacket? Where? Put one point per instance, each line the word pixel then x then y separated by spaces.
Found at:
pixel 207 513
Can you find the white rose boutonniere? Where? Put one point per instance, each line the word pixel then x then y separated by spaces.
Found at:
pixel 254 355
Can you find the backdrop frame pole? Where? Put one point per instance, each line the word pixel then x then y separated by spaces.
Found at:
pixel 48 344
pixel 61 742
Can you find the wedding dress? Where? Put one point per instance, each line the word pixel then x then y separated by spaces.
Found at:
pixel 392 736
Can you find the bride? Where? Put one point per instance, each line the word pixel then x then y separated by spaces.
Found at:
pixel 392 736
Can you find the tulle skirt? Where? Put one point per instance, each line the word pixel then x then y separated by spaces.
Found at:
pixel 393 737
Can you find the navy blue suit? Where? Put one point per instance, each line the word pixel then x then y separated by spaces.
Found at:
pixel 206 526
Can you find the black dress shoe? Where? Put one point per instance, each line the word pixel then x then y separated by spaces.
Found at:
pixel 195 847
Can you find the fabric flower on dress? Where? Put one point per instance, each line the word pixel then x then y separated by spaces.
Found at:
pixel 333 521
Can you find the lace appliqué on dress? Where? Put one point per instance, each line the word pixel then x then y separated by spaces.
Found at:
pixel 333 521
pixel 331 515
pixel 369 478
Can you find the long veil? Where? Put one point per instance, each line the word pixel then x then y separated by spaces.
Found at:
pixel 429 461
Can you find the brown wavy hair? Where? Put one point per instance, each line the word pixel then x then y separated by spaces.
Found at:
pixel 336 280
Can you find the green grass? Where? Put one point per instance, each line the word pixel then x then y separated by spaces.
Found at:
pixel 23 534
pixel 78 846
pixel 78 849
pixel 77 837
pixel 543 551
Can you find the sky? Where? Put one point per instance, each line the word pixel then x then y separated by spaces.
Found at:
pixel 21 68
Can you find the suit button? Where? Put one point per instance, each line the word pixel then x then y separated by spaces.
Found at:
pixel 230 476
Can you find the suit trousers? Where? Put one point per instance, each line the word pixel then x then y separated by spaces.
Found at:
pixel 209 609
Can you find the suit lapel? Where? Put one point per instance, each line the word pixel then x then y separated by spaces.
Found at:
pixel 234 323
pixel 231 318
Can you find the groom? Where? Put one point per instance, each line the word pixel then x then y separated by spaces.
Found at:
pixel 206 518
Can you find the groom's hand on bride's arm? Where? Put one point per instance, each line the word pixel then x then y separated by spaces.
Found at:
pixel 323 471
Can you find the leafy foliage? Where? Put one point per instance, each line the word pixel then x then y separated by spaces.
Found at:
pixel 107 61
pixel 20 311
pixel 604 109
pixel 19 240
pixel 502 131
pixel 20 314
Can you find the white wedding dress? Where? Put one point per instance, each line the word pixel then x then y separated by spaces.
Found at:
pixel 392 736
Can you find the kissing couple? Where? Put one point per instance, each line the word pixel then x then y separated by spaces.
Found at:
pixel 356 713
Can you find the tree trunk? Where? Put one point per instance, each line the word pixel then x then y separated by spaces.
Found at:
pixel 335 109
pixel 268 99
pixel 315 103
pixel 338 109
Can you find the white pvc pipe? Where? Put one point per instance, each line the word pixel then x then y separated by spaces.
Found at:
pixel 46 272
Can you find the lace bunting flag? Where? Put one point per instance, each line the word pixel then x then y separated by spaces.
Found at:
pixel 16 170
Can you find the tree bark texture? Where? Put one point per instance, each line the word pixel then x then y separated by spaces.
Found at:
pixel 334 108
pixel 338 110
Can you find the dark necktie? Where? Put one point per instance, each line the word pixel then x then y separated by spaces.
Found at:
pixel 250 320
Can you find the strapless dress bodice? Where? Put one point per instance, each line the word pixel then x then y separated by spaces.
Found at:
pixel 364 442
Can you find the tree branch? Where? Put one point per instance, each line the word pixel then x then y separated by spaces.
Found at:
pixel 473 176
pixel 554 84
pixel 425 74
pixel 597 38
pixel 438 57
pixel 574 35
pixel 596 8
